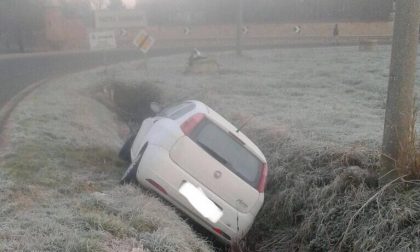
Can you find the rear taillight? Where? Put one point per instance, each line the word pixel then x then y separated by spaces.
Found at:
pixel 263 178
pixel 217 230
pixel 189 125
pixel 220 232
pixel 157 186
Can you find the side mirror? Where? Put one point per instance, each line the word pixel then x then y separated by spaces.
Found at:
pixel 155 107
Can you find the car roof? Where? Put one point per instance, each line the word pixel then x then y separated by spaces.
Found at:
pixel 223 123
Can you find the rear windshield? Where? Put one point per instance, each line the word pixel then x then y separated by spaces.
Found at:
pixel 228 151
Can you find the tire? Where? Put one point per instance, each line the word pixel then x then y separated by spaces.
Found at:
pixel 125 151
pixel 130 175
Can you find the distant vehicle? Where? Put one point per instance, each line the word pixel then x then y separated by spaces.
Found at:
pixel 202 164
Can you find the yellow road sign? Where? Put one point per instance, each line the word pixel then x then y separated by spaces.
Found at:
pixel 144 41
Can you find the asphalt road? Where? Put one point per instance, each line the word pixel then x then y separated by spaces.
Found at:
pixel 19 71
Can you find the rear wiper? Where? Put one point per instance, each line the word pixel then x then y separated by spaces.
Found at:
pixel 214 154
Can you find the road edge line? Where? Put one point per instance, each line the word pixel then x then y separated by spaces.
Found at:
pixel 10 105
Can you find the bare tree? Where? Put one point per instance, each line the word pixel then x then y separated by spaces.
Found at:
pixel 20 21
pixel 4 21
pixel 398 149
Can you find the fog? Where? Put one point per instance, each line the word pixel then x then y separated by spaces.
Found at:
pixel 23 22
pixel 271 111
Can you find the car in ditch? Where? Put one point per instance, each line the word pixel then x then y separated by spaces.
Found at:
pixel 202 164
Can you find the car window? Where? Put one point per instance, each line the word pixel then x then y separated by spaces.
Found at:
pixel 169 110
pixel 177 111
pixel 228 151
pixel 182 111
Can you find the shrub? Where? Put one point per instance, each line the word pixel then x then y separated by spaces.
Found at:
pixel 311 195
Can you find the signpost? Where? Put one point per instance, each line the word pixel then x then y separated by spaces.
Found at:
pixel 102 40
pixel 111 23
pixel 121 22
pixel 106 19
pixel 144 41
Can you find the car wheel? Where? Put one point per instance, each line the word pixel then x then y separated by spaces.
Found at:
pixel 124 153
pixel 130 175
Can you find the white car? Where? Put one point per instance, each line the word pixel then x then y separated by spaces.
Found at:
pixel 202 164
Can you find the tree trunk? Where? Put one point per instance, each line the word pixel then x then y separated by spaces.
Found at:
pixel 398 148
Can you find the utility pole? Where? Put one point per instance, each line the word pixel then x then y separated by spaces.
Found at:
pixel 239 25
pixel 398 147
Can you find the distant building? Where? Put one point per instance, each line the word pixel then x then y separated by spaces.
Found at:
pixel 66 24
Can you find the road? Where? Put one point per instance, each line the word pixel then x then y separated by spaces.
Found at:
pixel 19 71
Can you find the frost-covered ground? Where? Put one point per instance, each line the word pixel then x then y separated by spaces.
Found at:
pixel 58 178
pixel 322 95
pixel 320 111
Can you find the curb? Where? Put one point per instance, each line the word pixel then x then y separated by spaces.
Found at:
pixel 7 109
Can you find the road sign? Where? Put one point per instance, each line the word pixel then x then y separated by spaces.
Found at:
pixel 106 19
pixel 122 33
pixel 102 40
pixel 144 41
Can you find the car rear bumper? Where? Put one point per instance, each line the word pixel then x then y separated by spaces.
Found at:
pixel 157 166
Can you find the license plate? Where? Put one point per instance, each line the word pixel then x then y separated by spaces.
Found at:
pixel 201 202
